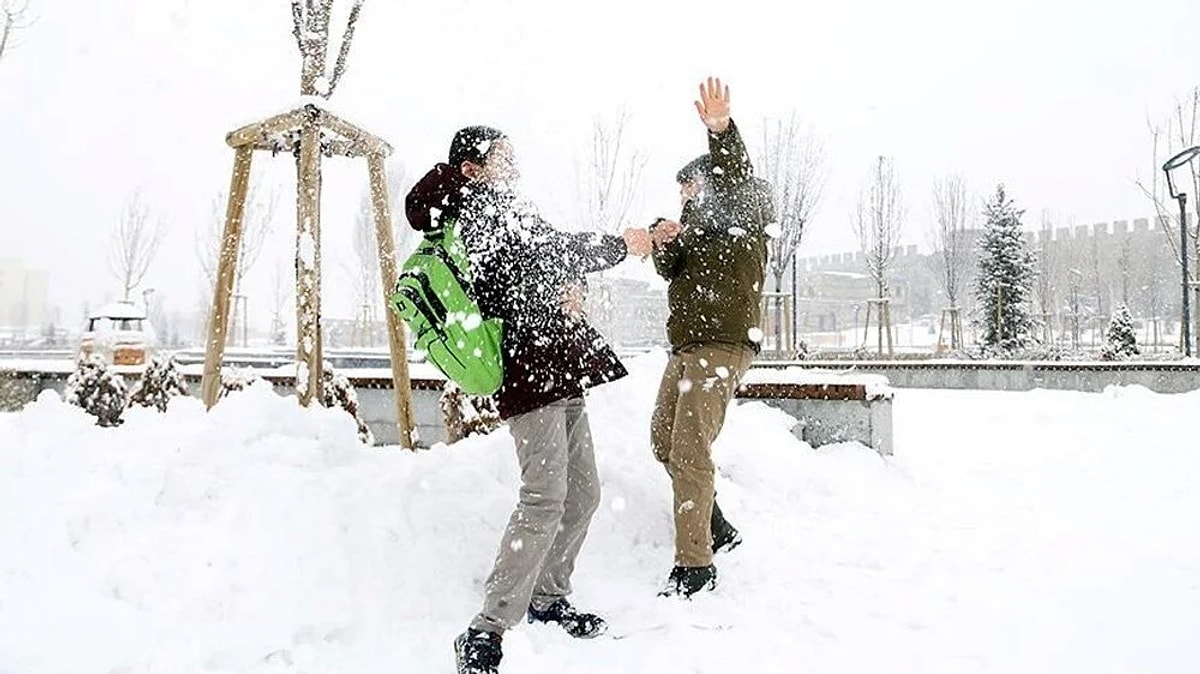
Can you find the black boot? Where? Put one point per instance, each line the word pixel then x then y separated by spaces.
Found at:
pixel 577 624
pixel 686 581
pixel 724 536
pixel 477 652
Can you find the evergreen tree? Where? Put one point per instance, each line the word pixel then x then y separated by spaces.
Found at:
pixel 1005 284
pixel 1121 340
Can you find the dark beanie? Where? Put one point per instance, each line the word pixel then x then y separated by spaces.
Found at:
pixel 472 144
pixel 700 166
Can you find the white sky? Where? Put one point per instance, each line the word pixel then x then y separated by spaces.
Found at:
pixel 104 98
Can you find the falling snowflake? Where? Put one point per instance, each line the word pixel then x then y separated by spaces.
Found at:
pixel 755 335
pixel 773 230
pixel 722 372
pixel 685 385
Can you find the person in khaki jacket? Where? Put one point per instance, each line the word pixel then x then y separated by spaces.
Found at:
pixel 715 260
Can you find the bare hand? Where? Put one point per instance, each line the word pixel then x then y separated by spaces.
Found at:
pixel 713 105
pixel 666 231
pixel 638 242
pixel 572 300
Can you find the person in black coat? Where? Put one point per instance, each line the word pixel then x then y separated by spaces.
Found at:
pixel 531 276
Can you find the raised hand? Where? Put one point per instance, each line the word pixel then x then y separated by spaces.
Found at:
pixel 713 105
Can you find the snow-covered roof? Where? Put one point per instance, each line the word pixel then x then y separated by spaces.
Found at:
pixel 119 310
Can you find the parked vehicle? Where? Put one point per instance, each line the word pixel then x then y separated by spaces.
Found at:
pixel 121 333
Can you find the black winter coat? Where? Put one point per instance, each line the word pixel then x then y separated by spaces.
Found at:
pixel 520 266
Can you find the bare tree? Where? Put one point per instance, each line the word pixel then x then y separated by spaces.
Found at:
pixel 364 270
pixel 14 17
pixel 256 224
pixel 794 163
pixel 1181 131
pixel 282 284
pixel 1048 274
pixel 609 177
pixel 952 242
pixel 877 222
pixel 135 240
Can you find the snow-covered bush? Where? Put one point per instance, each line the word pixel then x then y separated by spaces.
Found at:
pixel 98 389
pixel 161 381
pixel 466 415
pixel 236 379
pixel 337 392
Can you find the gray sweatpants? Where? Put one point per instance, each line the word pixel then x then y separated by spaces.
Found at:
pixel 559 493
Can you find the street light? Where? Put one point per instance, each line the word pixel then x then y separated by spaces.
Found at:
pixel 1172 164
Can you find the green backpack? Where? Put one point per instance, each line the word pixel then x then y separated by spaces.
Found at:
pixel 433 295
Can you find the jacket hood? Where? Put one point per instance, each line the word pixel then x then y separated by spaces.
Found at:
pixel 435 196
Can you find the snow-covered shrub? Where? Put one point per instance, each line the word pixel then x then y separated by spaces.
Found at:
pixel 161 381
pixel 466 415
pixel 98 389
pixel 1121 339
pixel 236 379
pixel 337 392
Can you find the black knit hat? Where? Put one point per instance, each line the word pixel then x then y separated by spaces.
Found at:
pixel 700 166
pixel 473 144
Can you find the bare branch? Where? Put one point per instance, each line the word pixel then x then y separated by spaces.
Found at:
pixel 256 224
pixel 878 221
pixel 298 24
pixel 609 181
pixel 135 242
pixel 794 164
pixel 340 68
pixel 952 246
pixel 13 18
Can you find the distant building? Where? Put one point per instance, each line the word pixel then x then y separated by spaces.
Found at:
pixel 23 310
pixel 628 312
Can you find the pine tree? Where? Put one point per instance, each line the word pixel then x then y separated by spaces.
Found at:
pixel 1005 283
pixel 1121 340
pixel 161 381
pixel 98 389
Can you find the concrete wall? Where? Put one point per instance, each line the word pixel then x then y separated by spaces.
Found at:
pixel 1086 377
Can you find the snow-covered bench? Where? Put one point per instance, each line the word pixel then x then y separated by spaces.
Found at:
pixel 831 406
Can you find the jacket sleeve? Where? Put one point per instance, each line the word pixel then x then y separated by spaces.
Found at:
pixel 731 162
pixel 668 259
pixel 591 253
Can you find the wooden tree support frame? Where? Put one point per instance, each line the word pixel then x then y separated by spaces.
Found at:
pixel 952 317
pixel 883 318
pixel 308 133
pixel 777 315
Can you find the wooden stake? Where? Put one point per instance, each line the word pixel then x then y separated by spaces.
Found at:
pixel 218 319
pixel 397 340
pixel 309 377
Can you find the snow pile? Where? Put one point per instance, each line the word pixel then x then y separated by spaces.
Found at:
pixel 264 538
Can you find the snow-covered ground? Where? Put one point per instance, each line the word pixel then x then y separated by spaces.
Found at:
pixel 1013 532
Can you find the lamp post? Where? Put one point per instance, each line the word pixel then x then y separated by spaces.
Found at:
pixel 1173 163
